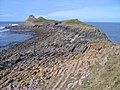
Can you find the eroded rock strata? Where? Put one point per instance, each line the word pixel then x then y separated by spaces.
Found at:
pixel 62 55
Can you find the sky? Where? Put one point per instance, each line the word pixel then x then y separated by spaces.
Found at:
pixel 84 10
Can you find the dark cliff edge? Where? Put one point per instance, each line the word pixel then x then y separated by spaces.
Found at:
pixel 62 55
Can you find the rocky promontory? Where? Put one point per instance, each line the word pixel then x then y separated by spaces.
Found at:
pixel 61 55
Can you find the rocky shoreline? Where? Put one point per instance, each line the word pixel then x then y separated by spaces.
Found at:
pixel 58 57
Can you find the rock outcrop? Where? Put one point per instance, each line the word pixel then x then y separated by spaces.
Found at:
pixel 31 18
pixel 62 55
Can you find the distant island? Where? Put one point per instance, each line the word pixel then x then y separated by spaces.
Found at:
pixel 61 55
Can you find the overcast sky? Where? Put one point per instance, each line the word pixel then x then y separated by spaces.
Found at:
pixel 84 10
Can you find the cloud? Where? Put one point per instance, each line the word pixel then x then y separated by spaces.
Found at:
pixel 88 13
pixel 7 15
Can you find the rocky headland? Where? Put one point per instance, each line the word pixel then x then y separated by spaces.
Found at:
pixel 61 55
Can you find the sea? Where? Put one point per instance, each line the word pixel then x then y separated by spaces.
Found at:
pixel 112 30
pixel 10 37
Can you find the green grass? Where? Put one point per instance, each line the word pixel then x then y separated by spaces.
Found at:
pixel 74 21
pixel 43 20
pixel 107 76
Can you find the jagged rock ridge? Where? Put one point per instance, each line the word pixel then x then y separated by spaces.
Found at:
pixel 62 55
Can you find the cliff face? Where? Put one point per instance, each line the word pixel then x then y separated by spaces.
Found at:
pixel 62 55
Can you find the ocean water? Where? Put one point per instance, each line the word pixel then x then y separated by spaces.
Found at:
pixel 112 30
pixel 9 37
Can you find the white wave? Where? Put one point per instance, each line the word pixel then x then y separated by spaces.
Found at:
pixel 14 24
pixel 4 30
pixel 2 27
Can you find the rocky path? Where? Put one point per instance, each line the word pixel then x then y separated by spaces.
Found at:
pixel 74 72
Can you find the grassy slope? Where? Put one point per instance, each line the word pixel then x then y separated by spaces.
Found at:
pixel 104 77
pixel 76 21
pixel 42 20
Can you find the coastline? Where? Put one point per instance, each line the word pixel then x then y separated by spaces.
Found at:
pixel 36 35
pixel 55 51
pixel 13 37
